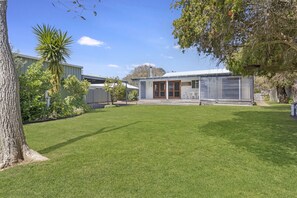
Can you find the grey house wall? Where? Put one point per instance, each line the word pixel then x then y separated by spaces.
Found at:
pixel 69 69
pixel 97 96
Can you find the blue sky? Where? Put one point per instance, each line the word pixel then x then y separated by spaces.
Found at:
pixel 124 34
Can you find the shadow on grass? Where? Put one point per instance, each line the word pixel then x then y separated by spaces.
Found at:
pixel 279 107
pixel 70 141
pixel 270 134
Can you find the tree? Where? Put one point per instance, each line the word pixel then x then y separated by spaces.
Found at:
pixel 115 88
pixel 248 36
pixel 13 146
pixel 143 71
pixel 282 82
pixel 53 46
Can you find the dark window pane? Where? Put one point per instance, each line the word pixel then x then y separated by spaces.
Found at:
pixel 176 94
pixel 170 93
pixel 176 86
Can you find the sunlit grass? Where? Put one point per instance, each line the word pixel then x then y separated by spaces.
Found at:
pixel 162 151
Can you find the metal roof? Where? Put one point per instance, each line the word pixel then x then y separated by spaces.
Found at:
pixel 198 73
pixel 209 72
pixel 94 86
pixel 88 76
pixel 38 58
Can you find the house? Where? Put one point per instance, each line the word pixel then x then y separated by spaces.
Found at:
pixel 202 86
pixel 69 69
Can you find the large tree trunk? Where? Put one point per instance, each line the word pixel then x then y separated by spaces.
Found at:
pixel 281 94
pixel 13 146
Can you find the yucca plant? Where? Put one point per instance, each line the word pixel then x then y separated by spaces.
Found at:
pixel 53 47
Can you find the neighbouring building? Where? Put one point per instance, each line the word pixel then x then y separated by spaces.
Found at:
pixel 203 87
pixel 69 69
pixel 97 94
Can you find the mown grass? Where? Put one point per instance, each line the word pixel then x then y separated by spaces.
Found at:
pixel 162 151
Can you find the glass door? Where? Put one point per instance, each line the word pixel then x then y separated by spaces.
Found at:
pixel 174 89
pixel 159 89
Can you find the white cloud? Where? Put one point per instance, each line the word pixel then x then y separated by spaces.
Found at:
pixel 167 57
pixel 113 66
pixel 176 47
pixel 85 40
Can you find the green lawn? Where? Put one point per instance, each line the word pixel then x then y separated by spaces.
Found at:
pixel 162 151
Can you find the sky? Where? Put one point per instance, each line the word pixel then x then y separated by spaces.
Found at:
pixel 123 35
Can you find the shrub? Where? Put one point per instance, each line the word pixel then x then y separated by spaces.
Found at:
pixel 76 91
pixel 33 85
pixel 59 108
pixel 133 95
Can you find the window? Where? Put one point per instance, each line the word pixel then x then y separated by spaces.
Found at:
pixel 230 88
pixel 195 84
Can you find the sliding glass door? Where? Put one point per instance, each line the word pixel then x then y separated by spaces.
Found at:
pixel 174 89
pixel 159 89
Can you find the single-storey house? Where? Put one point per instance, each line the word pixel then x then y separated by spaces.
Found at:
pixel 202 86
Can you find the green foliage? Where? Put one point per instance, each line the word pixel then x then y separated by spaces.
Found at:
pixel 133 95
pixel 74 103
pixel 33 85
pixel 250 37
pixel 59 107
pixel 115 88
pixel 76 90
pixel 53 46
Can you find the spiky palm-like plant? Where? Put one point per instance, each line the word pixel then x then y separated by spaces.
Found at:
pixel 53 47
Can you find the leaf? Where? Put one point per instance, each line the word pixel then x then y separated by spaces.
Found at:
pixel 95 13
pixel 83 18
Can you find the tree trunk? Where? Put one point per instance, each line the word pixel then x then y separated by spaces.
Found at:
pixel 282 95
pixel 13 146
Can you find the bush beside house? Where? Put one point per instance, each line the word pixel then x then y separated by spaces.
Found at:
pixel 34 84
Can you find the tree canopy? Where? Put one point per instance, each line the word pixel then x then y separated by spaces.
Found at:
pixel 143 71
pixel 248 36
pixel 54 47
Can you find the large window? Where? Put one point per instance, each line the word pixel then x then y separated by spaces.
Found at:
pixel 195 84
pixel 159 89
pixel 230 88
pixel 174 89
